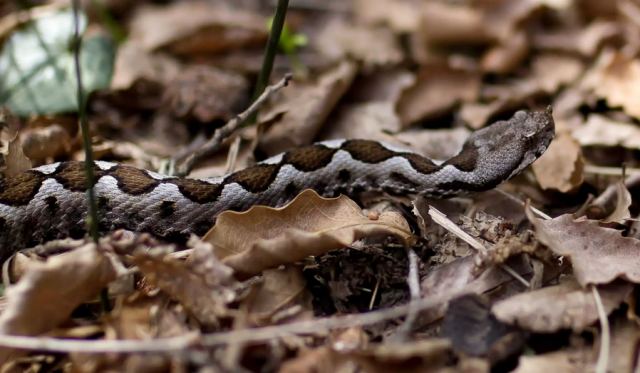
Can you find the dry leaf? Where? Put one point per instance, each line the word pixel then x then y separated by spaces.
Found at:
pixel 16 160
pixel 602 131
pixel 48 292
pixel 508 55
pixel 450 24
pixel 202 284
pixel 598 255
pixel 551 71
pixel 616 78
pixel 399 15
pixel 564 306
pixel 585 41
pixel 374 47
pixel 134 63
pixel 206 93
pixel 265 237
pixel 281 290
pixel 572 360
pixel 437 89
pixel 623 201
pixel 302 109
pixel 196 27
pixel 561 167
pixel 41 144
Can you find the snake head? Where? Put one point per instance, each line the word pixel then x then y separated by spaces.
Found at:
pixel 507 147
pixel 533 131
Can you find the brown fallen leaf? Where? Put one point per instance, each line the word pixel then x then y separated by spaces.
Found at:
pixel 615 77
pixel 561 167
pixel 585 41
pixel 573 360
pixel 436 90
pixel 564 306
pixel 48 292
pixel 206 93
pixel 598 255
pixel 202 284
pixel 16 160
pixel 281 290
pixel 623 201
pixel 599 130
pixel 196 27
pixel 374 47
pixel 506 56
pixel 399 15
pixel 42 144
pixel 133 63
pixel 265 237
pixel 301 109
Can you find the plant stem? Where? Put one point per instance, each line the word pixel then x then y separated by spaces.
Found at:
pixel 270 51
pixel 92 220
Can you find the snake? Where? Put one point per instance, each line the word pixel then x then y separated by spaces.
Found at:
pixel 49 202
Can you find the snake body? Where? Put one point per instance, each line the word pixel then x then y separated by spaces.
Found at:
pixel 49 202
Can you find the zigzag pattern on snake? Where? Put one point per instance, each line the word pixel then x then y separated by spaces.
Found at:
pixel 48 202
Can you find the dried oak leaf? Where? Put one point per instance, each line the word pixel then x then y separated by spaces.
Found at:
pixel 598 255
pixel 616 78
pixel 201 284
pixel 399 15
pixel 599 130
pixel 561 167
pixel 572 360
pixel 301 110
pixel 282 294
pixel 564 306
pixel 48 292
pixel 41 144
pixel 196 27
pixel 265 237
pixel 437 89
pixel 373 46
pixel 206 93
pixel 16 160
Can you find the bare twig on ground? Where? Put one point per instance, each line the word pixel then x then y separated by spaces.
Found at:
pixel 603 354
pixel 183 342
pixel 215 143
pixel 413 280
pixel 442 220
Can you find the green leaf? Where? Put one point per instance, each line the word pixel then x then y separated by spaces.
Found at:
pixel 38 71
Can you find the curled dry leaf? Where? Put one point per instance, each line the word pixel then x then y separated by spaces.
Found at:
pixel 16 160
pixel 45 143
pixel 616 78
pixel 598 255
pixel 48 292
pixel 202 284
pixel 265 237
pixel 281 290
pixel 399 15
pixel 196 27
pixel 437 89
pixel 373 46
pixel 561 167
pixel 564 306
pixel 508 55
pixel 134 63
pixel 574 360
pixel 599 130
pixel 302 108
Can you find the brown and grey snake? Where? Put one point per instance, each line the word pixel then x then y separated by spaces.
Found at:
pixel 49 202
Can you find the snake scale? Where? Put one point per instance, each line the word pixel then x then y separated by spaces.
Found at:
pixel 48 202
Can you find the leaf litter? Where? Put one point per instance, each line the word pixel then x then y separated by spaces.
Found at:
pixel 324 284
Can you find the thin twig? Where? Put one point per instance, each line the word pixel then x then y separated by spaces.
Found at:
pixel 413 280
pixel 442 220
pixel 215 143
pixel 270 51
pixel 603 354
pixel 92 220
pixel 251 335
